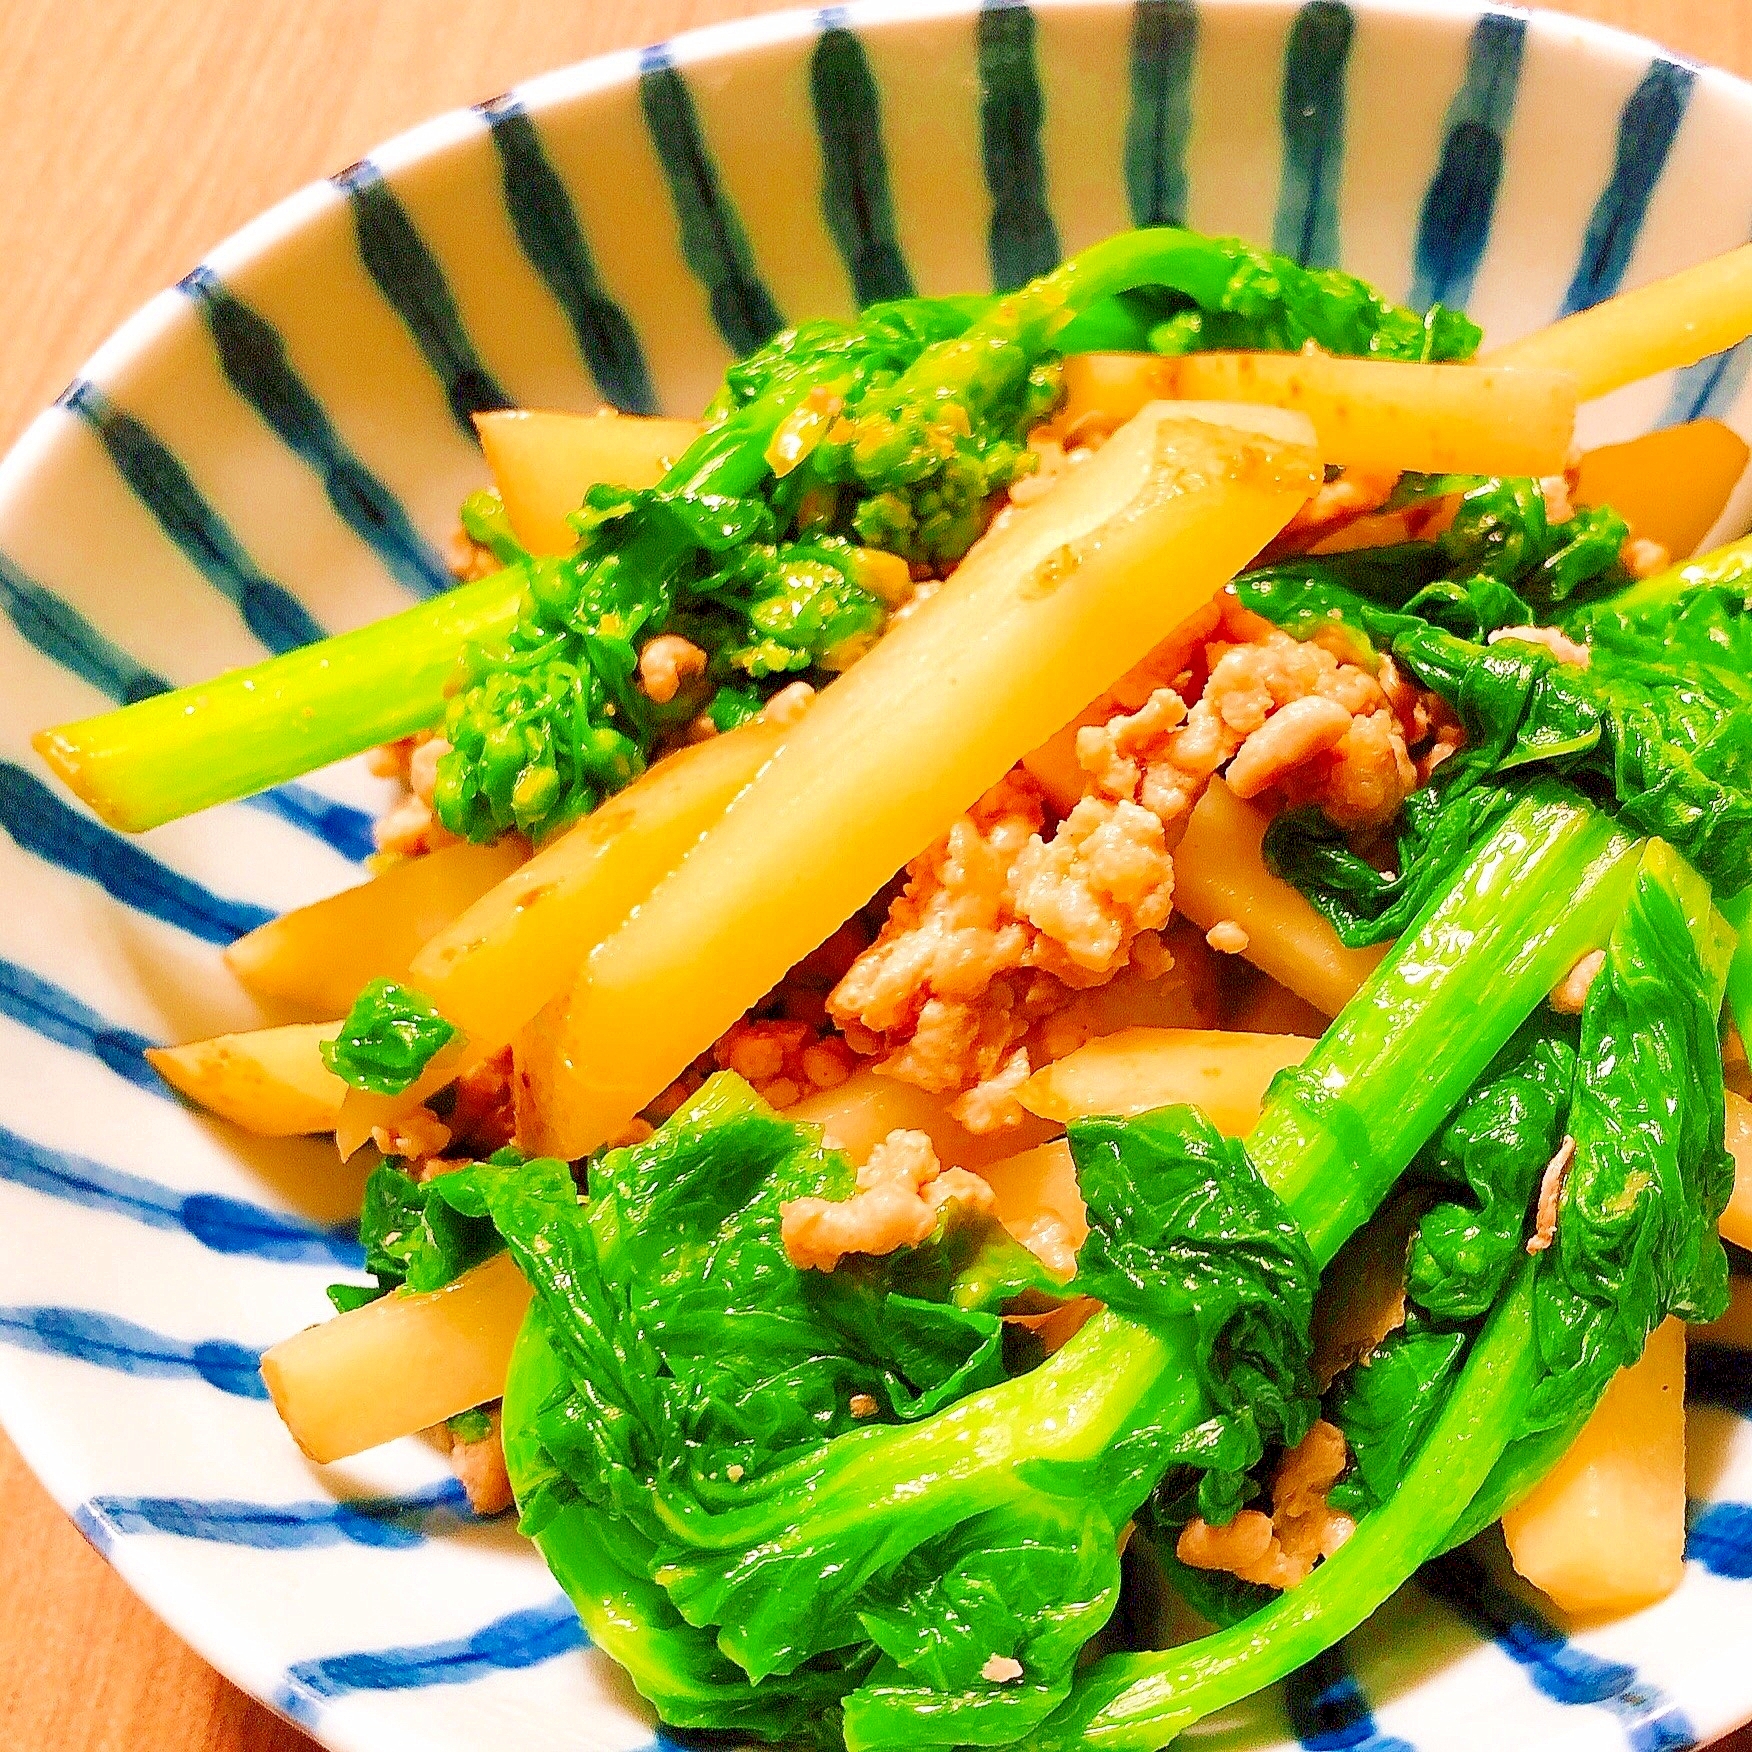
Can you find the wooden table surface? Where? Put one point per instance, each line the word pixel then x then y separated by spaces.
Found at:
pixel 139 136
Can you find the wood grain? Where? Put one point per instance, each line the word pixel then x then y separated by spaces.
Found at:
pixel 137 136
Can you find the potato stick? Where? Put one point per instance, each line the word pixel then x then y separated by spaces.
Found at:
pixel 271 1081
pixel 1039 619
pixel 490 970
pixel 1670 486
pixel 1224 1074
pixel 1037 1183
pixel 317 957
pixel 398 1365
pixel 859 1113
pixel 1605 1530
pixel 544 463
pixel 363 1112
pixel 1736 1223
pixel 1734 1330
pixel 1368 413
pixel 1673 322
pixel 1220 873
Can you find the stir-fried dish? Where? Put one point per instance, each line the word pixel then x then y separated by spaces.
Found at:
pixel 1082 949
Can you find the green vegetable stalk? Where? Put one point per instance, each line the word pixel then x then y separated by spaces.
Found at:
pixel 893 432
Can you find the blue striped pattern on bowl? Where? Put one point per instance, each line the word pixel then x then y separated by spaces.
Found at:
pixel 276 447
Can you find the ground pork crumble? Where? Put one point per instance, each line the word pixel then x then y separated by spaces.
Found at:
pixel 1279 1550
pixel 901 1193
pixel 1021 906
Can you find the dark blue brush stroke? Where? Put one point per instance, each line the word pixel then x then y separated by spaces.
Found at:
pixel 55 831
pixel 1164 48
pixel 161 483
pixel 408 275
pixel 108 1342
pixel 1558 1668
pixel 1720 1538
pixel 225 1225
pixel 1709 389
pixel 346 829
pixel 63 635
pixel 509 1644
pixel 1715 1375
pixel 46 1009
pixel 713 242
pixel 546 223
pixel 1312 115
pixel 1646 131
pixel 253 357
pixel 1328 1711
pixel 382 1523
pixel 1022 239
pixel 855 197
pixel 1461 199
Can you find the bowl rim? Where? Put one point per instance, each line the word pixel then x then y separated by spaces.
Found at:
pixel 26 1418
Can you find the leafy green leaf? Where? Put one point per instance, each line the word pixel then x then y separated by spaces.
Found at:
pixel 389 1037
pixel 1385 1405
pixel 1636 1224
pixel 1181 1228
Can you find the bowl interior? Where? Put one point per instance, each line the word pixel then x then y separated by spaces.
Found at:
pixel 277 447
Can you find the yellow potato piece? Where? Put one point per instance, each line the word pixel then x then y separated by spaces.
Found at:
pixel 1659 327
pixel 271 1081
pixel 1605 1530
pixel 858 1114
pixel 1037 1183
pixel 1368 413
pixel 317 957
pixel 543 464
pixel 1736 1223
pixel 1221 873
pixel 1224 1074
pixel 1670 486
pixel 490 970
pixel 398 1365
pixel 1042 616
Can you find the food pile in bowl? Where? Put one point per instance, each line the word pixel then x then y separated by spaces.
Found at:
pixel 1082 952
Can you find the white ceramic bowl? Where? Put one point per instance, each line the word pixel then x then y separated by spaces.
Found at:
pixel 279 445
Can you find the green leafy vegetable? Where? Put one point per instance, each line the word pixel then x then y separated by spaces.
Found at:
pixel 1250 300
pixel 1636 1227
pixel 1495 1147
pixel 1182 1227
pixel 1385 1406
pixel 389 1037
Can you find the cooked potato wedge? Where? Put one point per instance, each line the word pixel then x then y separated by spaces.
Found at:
pixel 1670 486
pixel 1659 327
pixel 398 1365
pixel 317 957
pixel 1605 1530
pixel 271 1081
pixel 1226 1075
pixel 543 464
pixel 1220 873
pixel 1040 617
pixel 490 970
pixel 1368 413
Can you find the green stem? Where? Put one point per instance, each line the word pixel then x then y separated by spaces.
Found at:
pixel 1545 889
pixel 251 728
pixel 248 729
pixel 1738 913
pixel 1136 1703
